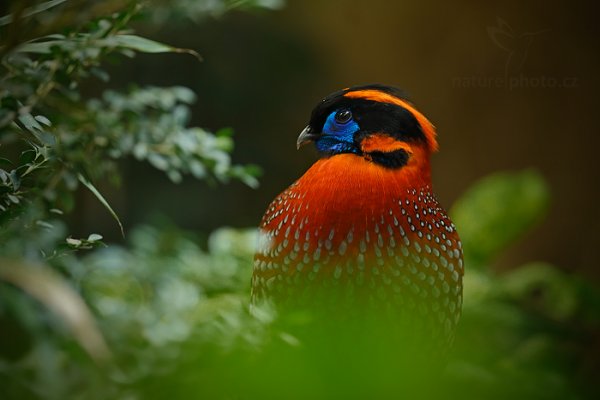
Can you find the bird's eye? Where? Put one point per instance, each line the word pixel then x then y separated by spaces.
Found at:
pixel 343 116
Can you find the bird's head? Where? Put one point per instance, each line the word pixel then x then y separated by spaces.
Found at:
pixel 375 122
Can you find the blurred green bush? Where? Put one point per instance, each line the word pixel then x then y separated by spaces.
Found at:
pixel 526 332
pixel 163 316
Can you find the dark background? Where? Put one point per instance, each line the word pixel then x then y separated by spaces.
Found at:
pixel 503 95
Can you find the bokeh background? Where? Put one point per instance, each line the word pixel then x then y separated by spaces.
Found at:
pixel 509 85
pixel 162 311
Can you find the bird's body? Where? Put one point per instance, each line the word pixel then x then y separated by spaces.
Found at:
pixel 362 228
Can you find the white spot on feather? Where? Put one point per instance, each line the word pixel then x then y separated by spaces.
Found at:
pixel 265 242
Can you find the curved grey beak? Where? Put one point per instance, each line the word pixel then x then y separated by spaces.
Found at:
pixel 306 136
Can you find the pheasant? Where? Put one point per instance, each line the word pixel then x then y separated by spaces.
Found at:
pixel 361 231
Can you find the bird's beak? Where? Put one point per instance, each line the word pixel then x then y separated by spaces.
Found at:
pixel 306 136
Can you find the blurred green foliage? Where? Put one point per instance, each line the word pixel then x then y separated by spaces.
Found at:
pixel 164 316
pixel 54 143
pixel 527 332
pixel 506 205
pixel 57 141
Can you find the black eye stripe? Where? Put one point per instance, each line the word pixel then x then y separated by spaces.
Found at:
pixel 371 116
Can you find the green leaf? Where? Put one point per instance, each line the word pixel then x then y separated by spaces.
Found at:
pixel 55 293
pixel 94 237
pixel 15 180
pixel 4 177
pixel 102 200
pixel 13 198
pixel 7 19
pixel 43 47
pixel 158 161
pixel 43 120
pixel 498 210
pixel 144 45
pixel 73 242
pixel 44 224
pixel 30 123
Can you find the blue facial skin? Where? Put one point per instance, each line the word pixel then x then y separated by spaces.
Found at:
pixel 337 137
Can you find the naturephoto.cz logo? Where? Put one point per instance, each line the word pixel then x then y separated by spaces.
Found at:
pixel 516 46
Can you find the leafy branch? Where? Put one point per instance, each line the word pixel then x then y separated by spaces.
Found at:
pixel 63 141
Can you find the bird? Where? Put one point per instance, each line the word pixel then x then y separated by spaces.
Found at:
pixel 362 230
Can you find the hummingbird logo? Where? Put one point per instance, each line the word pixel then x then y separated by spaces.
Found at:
pixel 515 44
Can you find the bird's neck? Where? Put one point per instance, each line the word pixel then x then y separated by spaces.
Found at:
pixel 348 192
pixel 359 180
